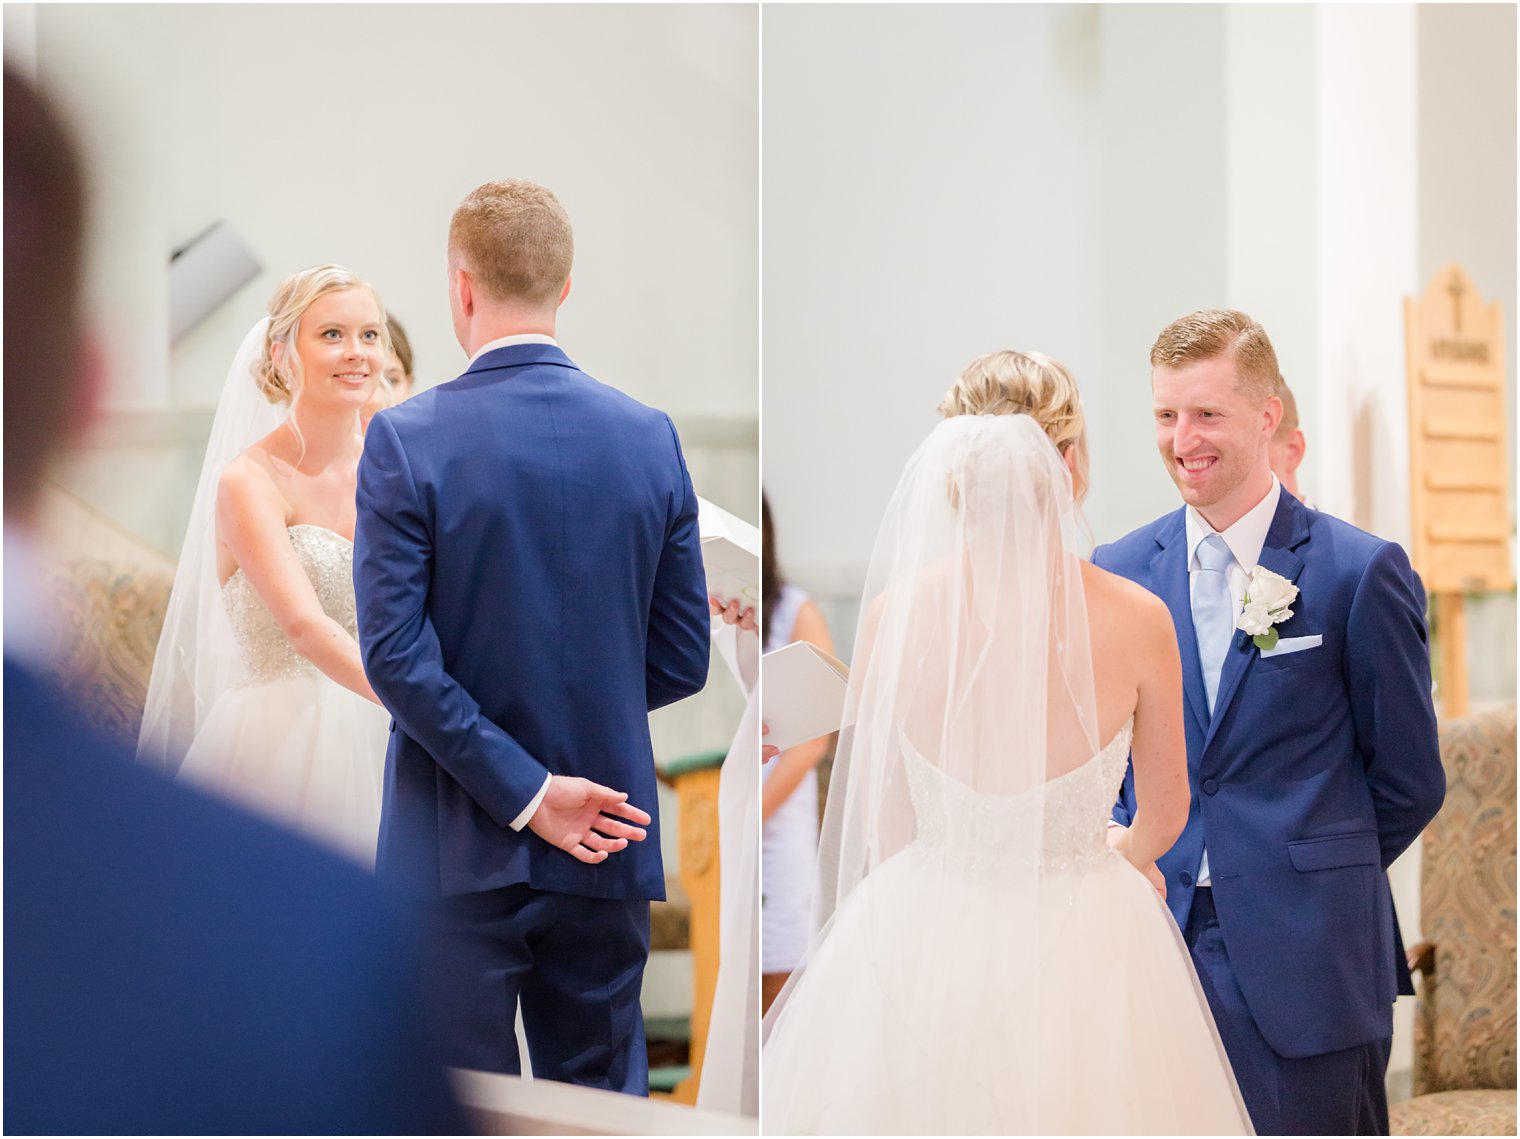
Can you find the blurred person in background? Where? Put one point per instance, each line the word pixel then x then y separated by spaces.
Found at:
pixel 173 965
pixel 398 380
pixel 789 795
pixel 399 373
pixel 1286 450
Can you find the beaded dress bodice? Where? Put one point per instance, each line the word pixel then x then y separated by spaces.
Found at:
pixel 328 559
pixel 971 829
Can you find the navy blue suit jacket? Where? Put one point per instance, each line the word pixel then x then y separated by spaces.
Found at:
pixel 174 966
pixel 1316 770
pixel 529 577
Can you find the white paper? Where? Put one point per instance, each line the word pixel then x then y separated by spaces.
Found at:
pixel 803 693
pixel 730 555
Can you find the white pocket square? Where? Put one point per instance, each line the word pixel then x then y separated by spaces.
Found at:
pixel 1286 645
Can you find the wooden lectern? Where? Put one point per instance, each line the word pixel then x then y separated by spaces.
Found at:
pixel 695 779
pixel 1457 449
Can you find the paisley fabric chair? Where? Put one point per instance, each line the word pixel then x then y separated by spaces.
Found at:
pixel 111 590
pixel 1464 1049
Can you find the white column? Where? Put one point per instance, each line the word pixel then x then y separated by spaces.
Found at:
pixel 1368 235
pixel 1271 201
pixel 1368 262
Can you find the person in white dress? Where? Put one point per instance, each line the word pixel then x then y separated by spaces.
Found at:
pixel 731 1063
pixel 789 796
pixel 257 682
pixel 983 962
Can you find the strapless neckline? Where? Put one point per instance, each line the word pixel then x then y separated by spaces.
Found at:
pixel 325 529
pixel 1125 733
pixel 349 542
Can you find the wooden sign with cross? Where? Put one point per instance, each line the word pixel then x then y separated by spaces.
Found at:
pixel 1457 452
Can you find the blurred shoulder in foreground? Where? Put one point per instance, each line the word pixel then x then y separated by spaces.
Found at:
pixel 175 966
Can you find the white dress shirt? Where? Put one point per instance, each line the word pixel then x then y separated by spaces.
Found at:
pixel 1245 539
pixel 521 821
pixel 515 338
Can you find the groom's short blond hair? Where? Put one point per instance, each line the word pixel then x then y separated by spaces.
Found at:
pixel 514 238
pixel 1212 332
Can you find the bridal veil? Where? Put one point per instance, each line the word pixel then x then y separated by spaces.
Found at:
pixel 971 687
pixel 197 657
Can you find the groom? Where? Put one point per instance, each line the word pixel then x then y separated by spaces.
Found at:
pixel 1313 762
pixel 529 581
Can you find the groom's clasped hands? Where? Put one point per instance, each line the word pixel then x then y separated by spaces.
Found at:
pixel 576 815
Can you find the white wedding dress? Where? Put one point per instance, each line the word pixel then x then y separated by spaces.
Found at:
pixel 231 706
pixel 1121 1041
pixel 981 962
pixel 286 740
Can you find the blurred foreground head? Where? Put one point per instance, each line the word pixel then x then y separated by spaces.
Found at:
pixel 51 371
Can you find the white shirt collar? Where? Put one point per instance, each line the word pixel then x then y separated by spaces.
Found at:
pixel 1245 538
pixel 516 338
pixel 32 621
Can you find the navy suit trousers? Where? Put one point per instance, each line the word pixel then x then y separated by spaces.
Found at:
pixel 1337 1093
pixel 576 963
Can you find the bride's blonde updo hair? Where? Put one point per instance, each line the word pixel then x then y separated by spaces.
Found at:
pixel 280 383
pixel 1025 383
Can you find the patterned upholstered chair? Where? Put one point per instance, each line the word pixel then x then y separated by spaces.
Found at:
pixel 1464 1063
pixel 111 590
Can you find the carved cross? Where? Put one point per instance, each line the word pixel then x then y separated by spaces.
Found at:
pixel 1456 289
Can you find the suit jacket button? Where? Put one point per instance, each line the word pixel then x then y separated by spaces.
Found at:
pixel 1210 786
pixel 1184 877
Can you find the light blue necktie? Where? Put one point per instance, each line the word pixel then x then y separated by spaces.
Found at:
pixel 1213 611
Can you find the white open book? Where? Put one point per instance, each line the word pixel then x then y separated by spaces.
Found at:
pixel 803 694
pixel 730 555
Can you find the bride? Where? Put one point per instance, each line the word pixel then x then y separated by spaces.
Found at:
pixel 258 668
pixel 984 961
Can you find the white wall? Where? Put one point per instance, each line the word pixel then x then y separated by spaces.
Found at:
pixel 906 150
pixel 349 133
pixel 1164 223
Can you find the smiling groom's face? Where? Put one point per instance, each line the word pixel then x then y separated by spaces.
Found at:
pixel 1213 437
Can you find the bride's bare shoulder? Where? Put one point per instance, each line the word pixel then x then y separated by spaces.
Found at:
pixel 1116 601
pixel 249 482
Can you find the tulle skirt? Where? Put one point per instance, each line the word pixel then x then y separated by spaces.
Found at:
pixel 303 751
pixel 903 1021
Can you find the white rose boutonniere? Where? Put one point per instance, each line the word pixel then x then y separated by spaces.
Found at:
pixel 1265 604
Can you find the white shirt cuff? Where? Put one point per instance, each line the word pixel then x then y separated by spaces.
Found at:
pixel 521 821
